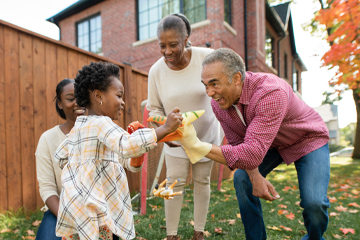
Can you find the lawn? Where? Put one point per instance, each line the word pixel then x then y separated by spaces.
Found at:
pixel 283 217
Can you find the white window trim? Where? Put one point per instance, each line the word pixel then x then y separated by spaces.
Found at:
pixel 152 39
pixel 230 28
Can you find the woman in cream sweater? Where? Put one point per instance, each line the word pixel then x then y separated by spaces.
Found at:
pixel 175 81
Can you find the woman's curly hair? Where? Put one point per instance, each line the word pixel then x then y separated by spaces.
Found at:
pixel 97 75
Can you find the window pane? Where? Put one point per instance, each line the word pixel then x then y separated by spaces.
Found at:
pixel 153 3
pixel 99 47
pixel 174 6
pixel 93 47
pixel 143 5
pixel 144 32
pixel 195 11
pixel 93 37
pixel 92 24
pixel 80 42
pixel 80 29
pixel 86 40
pixel 143 18
pixel 98 22
pixel 153 13
pixel 153 29
pixel 98 35
pixel 86 27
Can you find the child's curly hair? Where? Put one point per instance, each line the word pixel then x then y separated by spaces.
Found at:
pixel 97 75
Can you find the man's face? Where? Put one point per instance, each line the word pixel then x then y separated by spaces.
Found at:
pixel 218 87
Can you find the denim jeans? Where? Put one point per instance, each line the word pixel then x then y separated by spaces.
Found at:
pixel 313 171
pixel 47 227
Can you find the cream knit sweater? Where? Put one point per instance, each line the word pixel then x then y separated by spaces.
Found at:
pixel 168 89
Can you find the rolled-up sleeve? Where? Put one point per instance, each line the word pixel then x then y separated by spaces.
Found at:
pixel 261 132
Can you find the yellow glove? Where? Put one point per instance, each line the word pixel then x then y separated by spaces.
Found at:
pixel 194 148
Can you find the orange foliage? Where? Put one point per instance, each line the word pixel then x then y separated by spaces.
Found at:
pixel 343 18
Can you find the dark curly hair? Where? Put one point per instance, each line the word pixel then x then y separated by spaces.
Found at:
pixel 59 91
pixel 97 75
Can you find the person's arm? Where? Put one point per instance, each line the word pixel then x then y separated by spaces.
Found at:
pixel 52 203
pixel 46 176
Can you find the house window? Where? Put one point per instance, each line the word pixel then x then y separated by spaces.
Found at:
pixel 89 34
pixel 295 81
pixel 227 11
pixel 150 12
pixel 269 50
pixel 285 66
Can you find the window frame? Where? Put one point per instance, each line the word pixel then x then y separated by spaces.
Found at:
pixel 181 7
pixel 87 19
pixel 272 49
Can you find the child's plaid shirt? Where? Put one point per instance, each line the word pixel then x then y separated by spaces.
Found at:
pixel 95 190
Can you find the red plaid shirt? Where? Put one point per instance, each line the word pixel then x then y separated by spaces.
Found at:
pixel 275 117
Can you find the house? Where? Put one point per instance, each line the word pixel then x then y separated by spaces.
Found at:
pixel 329 113
pixel 125 30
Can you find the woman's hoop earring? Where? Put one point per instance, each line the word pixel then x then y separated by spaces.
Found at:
pixel 100 103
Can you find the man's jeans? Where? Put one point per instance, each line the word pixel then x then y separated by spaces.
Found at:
pixel 47 227
pixel 313 172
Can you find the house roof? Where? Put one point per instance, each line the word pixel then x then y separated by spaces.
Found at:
pixel 73 9
pixel 283 14
pixel 327 112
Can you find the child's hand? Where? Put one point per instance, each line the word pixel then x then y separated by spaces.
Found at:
pixel 173 121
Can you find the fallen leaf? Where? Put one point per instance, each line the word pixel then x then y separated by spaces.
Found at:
pixel 16 231
pixel 137 221
pixel 28 237
pixel 353 211
pixel 222 190
pixel 332 199
pixel 337 236
pixel 227 195
pixel 5 230
pixel 30 232
pixel 340 208
pixel 333 214
pixel 353 205
pixel 36 223
pixel 238 215
pixel 290 216
pixel 192 222
pixel 222 221
pixel 283 212
pixel 347 230
pixel 218 230
pixel 150 225
pixel 152 216
pixel 287 188
pixel 213 216
pixel 297 203
pixel 282 206
pixel 301 222
pixel 272 210
pixel 188 200
pixel 354 191
pixel 206 233
pixel 274 228
pixel 286 228
pixel 231 221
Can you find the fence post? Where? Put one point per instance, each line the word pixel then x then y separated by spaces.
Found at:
pixel 144 168
pixel 221 170
pixel 128 94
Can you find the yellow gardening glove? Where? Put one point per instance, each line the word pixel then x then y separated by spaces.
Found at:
pixel 194 148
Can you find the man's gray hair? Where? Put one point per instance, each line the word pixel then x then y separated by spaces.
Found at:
pixel 231 61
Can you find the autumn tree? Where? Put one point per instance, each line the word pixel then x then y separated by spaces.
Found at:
pixel 341 19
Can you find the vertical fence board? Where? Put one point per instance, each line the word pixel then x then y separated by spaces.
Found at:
pixel 72 64
pixel 39 98
pixel 51 82
pixel 12 118
pixel 82 60
pixel 27 121
pixel 3 174
pixel 62 69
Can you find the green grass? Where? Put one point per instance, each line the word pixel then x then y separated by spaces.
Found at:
pixel 344 186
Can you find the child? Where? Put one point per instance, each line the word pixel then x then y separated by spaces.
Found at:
pixel 95 191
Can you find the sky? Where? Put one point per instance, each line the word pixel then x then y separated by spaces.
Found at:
pixel 32 15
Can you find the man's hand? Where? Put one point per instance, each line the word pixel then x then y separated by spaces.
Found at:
pixel 261 186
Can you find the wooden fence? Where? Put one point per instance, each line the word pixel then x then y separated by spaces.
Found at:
pixel 31 65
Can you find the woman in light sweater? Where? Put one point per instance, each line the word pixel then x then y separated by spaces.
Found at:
pixel 175 81
pixel 48 171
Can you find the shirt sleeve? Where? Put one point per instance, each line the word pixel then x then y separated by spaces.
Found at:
pixel 62 154
pixel 124 144
pixel 125 163
pixel 45 171
pixel 154 103
pixel 261 132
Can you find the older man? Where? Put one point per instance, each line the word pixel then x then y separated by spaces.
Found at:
pixel 265 124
